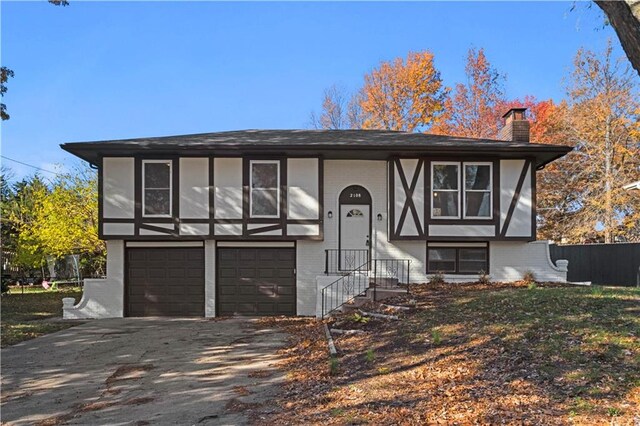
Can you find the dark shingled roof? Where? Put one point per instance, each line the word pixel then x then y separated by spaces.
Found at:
pixel 347 144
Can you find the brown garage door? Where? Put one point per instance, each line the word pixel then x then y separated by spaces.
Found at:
pixel 165 282
pixel 256 281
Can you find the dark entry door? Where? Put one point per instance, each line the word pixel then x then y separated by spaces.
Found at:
pixel 165 281
pixel 256 281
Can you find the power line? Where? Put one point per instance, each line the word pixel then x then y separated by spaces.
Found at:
pixel 29 165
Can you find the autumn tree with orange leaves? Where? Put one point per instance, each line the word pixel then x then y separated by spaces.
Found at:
pixel 477 105
pixel 403 94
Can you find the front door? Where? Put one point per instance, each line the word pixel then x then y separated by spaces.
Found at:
pixel 355 228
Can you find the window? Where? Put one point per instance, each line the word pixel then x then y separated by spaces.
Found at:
pixel 156 188
pixel 458 260
pixel 477 190
pixel 265 188
pixel 445 194
pixel 355 213
pixel 476 195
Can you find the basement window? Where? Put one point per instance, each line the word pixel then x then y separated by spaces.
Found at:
pixel 452 259
pixel 264 196
pixel 156 188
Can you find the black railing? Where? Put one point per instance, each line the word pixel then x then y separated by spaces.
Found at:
pixel 345 288
pixel 390 274
pixel 343 261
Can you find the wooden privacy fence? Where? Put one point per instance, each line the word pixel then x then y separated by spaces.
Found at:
pixel 608 264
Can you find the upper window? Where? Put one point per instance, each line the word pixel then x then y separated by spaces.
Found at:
pixel 473 190
pixel 156 188
pixel 477 190
pixel 265 188
pixel 445 196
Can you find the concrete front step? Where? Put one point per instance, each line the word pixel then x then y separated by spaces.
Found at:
pixel 381 294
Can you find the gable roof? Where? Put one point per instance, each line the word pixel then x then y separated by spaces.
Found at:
pixel 338 144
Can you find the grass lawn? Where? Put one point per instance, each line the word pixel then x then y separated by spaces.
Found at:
pixel 473 354
pixel 29 315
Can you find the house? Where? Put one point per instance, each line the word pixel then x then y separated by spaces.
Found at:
pixel 293 222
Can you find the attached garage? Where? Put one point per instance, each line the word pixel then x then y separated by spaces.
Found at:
pixel 164 281
pixel 256 281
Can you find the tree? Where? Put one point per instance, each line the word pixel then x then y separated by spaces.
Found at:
pixel 337 112
pixel 624 17
pixel 476 107
pixel 405 95
pixel 5 74
pixel 604 119
pixel 334 110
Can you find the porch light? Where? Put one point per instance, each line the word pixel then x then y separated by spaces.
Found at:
pixel 379 217
pixel 330 214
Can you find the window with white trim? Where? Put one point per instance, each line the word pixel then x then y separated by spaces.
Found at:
pixel 445 190
pixel 461 190
pixel 264 195
pixel 156 188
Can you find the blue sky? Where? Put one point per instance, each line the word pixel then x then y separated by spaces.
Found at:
pixel 97 70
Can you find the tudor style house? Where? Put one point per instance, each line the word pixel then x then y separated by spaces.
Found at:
pixel 298 222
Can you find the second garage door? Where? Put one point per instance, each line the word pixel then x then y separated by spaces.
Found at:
pixel 256 281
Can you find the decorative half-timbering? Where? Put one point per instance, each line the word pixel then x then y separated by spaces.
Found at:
pixel 407 209
pixel 203 197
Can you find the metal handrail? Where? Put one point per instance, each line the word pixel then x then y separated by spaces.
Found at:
pixel 386 271
pixel 350 282
pixel 343 261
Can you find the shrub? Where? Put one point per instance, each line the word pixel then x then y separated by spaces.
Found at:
pixel 483 277
pixel 529 277
pixel 436 336
pixel 370 355
pixel 532 286
pixel 437 278
pixel 334 366
pixel 597 290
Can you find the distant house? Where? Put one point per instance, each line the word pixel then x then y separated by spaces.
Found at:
pixel 262 222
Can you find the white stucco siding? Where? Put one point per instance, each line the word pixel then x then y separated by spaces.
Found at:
pixel 228 229
pixel 520 224
pixel 103 298
pixel 194 229
pixel 303 188
pixel 303 230
pixel 409 167
pixel 194 188
pixel 227 181
pixel 509 260
pixel 118 228
pixel 462 230
pixel 339 174
pixel 118 199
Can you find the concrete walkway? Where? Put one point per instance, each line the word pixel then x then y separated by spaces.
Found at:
pixel 142 372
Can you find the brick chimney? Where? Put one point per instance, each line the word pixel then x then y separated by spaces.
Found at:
pixel 516 126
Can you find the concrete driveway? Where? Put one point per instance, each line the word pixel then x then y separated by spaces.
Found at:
pixel 142 372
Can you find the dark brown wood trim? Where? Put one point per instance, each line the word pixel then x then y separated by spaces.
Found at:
pixel 408 190
pixel 320 196
pixel 391 226
pixel 284 207
pixel 137 191
pixel 427 197
pixel 212 196
pixel 246 179
pixel 516 197
pixel 175 190
pixel 496 195
pixel 534 202
pixel 276 227
pixel 100 198
pixel 175 232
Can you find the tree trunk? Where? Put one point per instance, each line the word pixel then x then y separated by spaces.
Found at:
pixel 608 185
pixel 624 16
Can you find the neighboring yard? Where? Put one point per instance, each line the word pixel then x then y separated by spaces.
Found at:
pixel 34 313
pixel 473 354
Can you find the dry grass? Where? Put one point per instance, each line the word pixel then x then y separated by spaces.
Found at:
pixel 498 353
